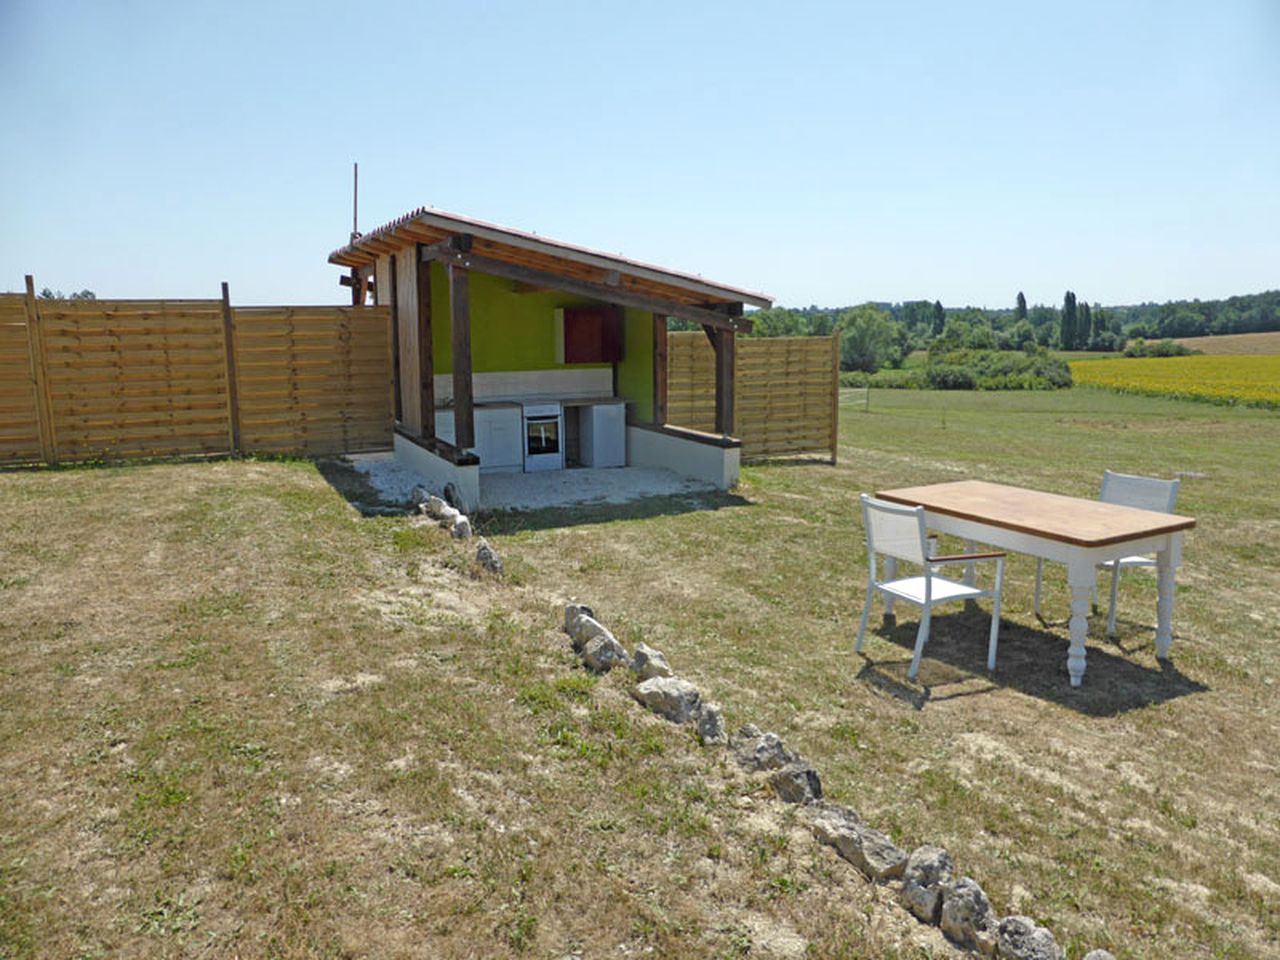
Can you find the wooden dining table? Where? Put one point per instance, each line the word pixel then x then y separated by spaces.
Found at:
pixel 1078 532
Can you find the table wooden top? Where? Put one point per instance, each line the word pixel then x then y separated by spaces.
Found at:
pixel 1087 523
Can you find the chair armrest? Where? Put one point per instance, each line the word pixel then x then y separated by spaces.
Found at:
pixel 966 557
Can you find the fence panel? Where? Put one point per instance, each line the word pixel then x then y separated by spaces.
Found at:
pixel 123 379
pixel 785 391
pixel 130 378
pixel 313 380
pixel 19 421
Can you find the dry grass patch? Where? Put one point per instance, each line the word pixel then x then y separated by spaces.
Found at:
pixel 241 719
pixel 1138 812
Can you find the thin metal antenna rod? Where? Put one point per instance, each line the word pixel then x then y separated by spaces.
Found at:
pixel 355 200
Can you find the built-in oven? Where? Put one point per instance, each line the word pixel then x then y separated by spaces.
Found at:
pixel 543 437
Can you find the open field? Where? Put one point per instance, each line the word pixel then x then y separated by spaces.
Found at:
pixel 1249 380
pixel 1235 344
pixel 241 719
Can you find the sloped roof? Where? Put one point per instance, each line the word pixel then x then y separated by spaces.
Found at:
pixel 426 225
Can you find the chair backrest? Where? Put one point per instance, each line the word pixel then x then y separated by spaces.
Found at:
pixel 894 530
pixel 1145 493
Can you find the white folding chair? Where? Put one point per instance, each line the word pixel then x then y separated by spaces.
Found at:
pixel 1128 490
pixel 897 532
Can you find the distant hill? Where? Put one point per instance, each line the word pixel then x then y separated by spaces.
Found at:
pixel 1237 344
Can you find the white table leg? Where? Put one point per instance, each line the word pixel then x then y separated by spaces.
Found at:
pixel 1166 571
pixel 1081 579
pixel 970 569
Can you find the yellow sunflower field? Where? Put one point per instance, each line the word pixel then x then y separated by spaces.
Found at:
pixel 1247 380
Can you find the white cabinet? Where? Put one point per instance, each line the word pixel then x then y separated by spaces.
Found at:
pixel 500 439
pixel 603 435
pixel 499 436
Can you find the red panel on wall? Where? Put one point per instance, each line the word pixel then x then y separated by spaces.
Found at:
pixel 592 335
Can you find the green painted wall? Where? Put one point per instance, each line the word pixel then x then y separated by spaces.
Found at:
pixel 635 372
pixel 516 331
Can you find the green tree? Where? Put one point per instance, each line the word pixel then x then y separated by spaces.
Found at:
pixel 1069 321
pixel 939 318
pixel 1020 311
pixel 1084 328
pixel 869 339
pixel 47 294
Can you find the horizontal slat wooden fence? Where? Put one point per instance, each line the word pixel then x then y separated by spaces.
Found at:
pixel 123 379
pixel 19 421
pixel 313 380
pixel 785 398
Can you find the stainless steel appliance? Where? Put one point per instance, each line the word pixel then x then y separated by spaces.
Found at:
pixel 543 437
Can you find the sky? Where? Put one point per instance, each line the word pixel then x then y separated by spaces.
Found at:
pixel 822 153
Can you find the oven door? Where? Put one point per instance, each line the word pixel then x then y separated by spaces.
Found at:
pixel 543 441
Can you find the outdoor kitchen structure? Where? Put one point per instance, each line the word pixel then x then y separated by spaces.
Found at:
pixel 515 353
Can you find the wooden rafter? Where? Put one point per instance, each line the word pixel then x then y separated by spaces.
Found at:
pixel 447 252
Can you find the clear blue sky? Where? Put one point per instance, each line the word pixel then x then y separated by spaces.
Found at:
pixel 825 153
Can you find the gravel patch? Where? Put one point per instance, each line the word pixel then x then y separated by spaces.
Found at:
pixel 535 491
pixel 393 482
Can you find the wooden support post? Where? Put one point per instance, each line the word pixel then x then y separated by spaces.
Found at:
pixel 395 339
pixel 464 424
pixel 229 355
pixel 659 369
pixel 835 393
pixel 426 358
pixel 725 356
pixel 39 378
pixel 356 292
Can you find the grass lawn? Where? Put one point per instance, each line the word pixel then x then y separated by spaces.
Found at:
pixel 241 719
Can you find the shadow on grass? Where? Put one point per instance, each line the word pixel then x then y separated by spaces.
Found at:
pixel 354 487
pixel 1029 659
pixel 498 522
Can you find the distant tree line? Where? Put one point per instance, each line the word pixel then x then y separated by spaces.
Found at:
pixel 880 335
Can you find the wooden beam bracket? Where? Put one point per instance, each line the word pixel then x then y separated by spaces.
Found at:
pixel 447 253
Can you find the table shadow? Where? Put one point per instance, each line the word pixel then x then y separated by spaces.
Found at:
pixel 1120 675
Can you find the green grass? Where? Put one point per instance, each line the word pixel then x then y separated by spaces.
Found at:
pixel 243 720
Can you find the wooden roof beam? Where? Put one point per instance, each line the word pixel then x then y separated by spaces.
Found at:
pixel 447 251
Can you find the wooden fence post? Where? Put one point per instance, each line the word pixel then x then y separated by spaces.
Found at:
pixel 229 348
pixel 40 378
pixel 835 393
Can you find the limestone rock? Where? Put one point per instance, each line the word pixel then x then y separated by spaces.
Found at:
pixel 869 850
pixel 419 495
pixel 602 653
pixel 711 725
pixel 928 870
pixel 453 496
pixel 1019 938
pixel 434 507
pixel 797 782
pixel 760 751
pixel 1099 955
pixel 488 557
pixel 966 912
pixel 461 529
pixel 649 662
pixel 448 517
pixel 585 628
pixel 677 700
pixel 572 612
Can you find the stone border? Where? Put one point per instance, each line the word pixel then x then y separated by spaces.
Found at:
pixel 925 877
pixel 431 507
